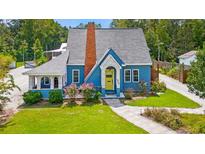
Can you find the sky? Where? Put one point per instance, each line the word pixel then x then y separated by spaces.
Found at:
pixel 105 23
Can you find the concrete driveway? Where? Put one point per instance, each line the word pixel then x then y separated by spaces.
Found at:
pixel 181 88
pixel 22 81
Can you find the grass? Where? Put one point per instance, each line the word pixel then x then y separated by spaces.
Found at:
pixel 193 122
pixel 95 119
pixel 19 64
pixel 168 99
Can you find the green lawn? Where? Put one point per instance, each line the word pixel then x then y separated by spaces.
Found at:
pixel 96 119
pixel 19 64
pixel 193 122
pixel 168 99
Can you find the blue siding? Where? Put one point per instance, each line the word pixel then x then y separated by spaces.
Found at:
pixel 144 75
pixel 69 73
pixel 95 78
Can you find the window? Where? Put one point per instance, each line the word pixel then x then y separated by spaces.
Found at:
pixel 75 76
pixel 135 75
pixel 127 75
pixel 55 82
pixel 46 81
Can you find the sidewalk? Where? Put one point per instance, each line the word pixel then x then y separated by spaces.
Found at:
pixel 132 114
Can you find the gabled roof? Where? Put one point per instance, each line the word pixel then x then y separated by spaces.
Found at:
pixel 56 66
pixel 109 52
pixel 129 44
pixel 188 54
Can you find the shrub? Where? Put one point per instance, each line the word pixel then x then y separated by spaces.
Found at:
pixel 129 94
pixel 173 72
pixel 143 87
pixel 158 87
pixel 55 96
pixel 32 97
pixel 72 92
pixel 175 112
pixel 164 70
pixel 89 93
pixel 201 129
pixel 97 95
pixel 168 118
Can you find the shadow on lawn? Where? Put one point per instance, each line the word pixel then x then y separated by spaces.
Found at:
pixel 8 124
pixel 46 104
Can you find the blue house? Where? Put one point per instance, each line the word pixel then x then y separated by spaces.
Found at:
pixel 114 60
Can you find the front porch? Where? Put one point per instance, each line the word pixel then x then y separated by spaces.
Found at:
pixel 45 83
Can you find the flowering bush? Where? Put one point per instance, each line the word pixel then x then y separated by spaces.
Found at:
pixel 87 90
pixel 5 116
pixel 72 91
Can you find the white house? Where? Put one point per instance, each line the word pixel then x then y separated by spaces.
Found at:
pixel 54 53
pixel 187 58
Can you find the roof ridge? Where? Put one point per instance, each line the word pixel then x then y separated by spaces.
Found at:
pixel 138 28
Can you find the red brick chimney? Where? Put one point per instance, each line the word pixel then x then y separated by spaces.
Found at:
pixel 90 54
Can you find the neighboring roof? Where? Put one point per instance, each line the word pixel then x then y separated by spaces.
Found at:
pixel 62 48
pixel 188 54
pixel 56 66
pixel 129 44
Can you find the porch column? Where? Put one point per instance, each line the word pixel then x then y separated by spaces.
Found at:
pixel 38 82
pixel 60 82
pixel 118 81
pixel 103 81
pixel 31 82
pixel 52 82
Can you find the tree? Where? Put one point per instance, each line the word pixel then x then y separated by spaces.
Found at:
pixel 196 76
pixel 6 39
pixel 171 37
pixel 6 81
pixel 23 48
pixel 37 49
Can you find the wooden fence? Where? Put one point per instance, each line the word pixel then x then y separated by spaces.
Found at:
pixel 181 74
pixel 155 73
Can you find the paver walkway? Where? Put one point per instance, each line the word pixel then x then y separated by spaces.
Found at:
pixel 16 95
pixel 132 114
pixel 183 89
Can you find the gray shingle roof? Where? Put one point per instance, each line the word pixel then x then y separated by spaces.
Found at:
pixel 129 44
pixel 56 66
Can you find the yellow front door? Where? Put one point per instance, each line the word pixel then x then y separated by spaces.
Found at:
pixel 109 79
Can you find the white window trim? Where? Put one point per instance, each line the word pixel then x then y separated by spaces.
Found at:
pixel 73 75
pixel 44 80
pixel 133 75
pixel 125 75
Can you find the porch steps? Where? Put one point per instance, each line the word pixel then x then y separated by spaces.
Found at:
pixel 113 96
